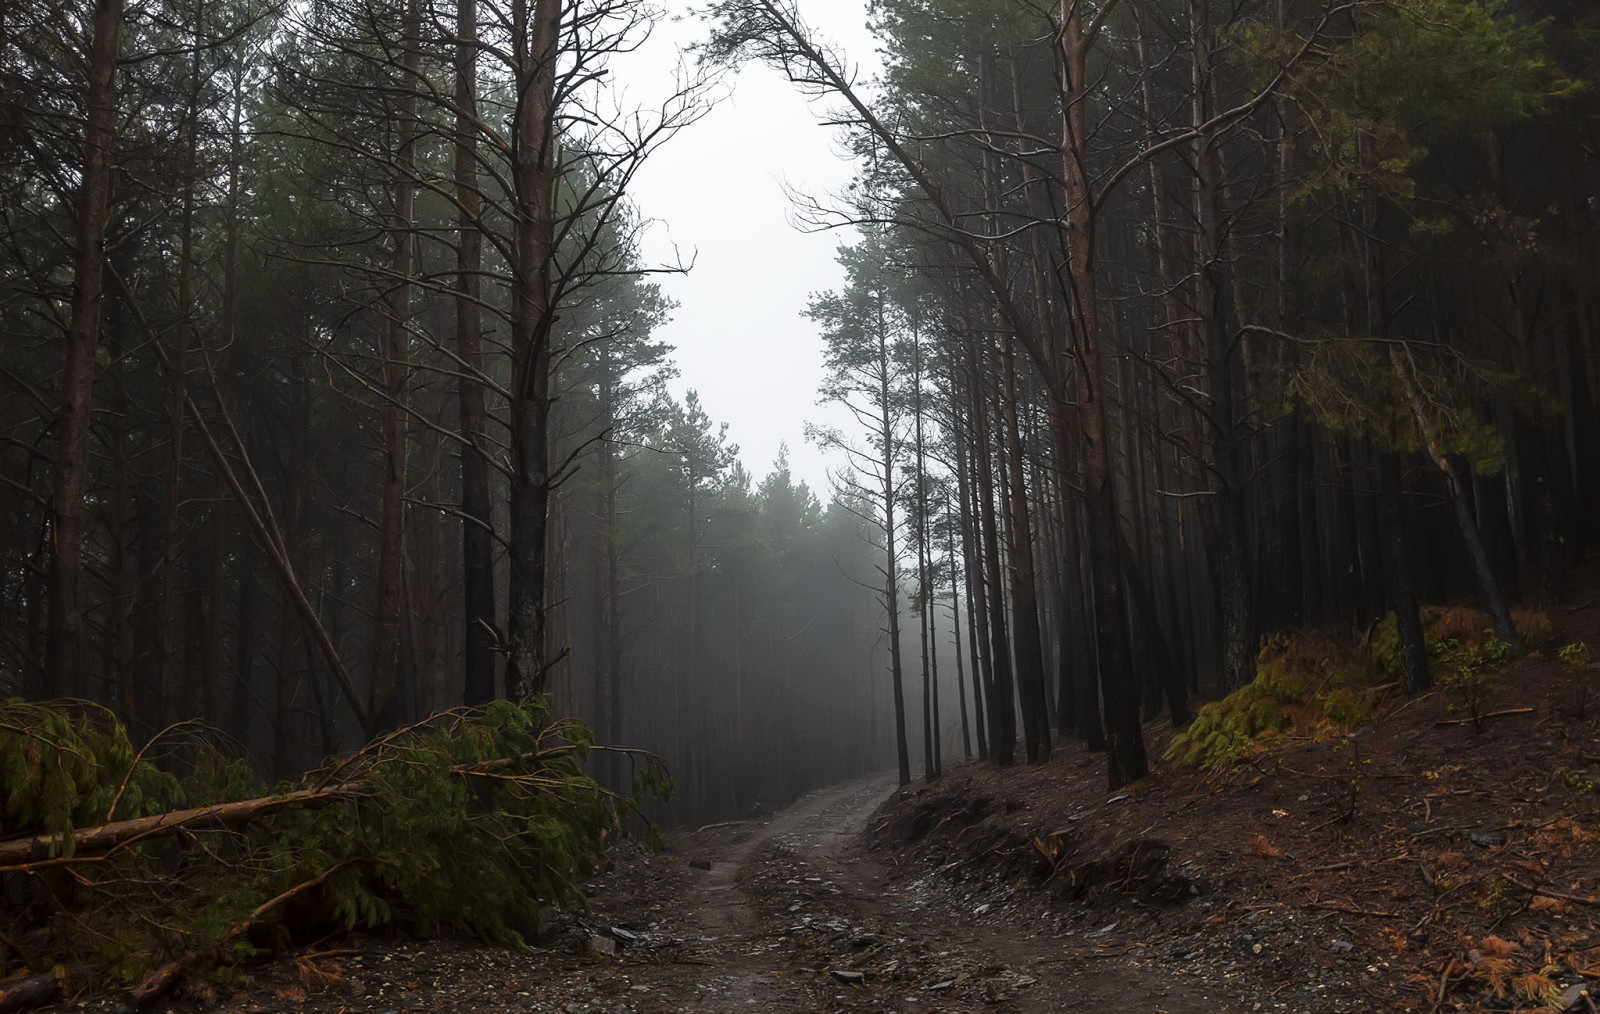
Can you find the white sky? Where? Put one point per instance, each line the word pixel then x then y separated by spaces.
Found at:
pixel 716 193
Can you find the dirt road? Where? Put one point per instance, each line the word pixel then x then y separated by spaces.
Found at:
pixel 787 916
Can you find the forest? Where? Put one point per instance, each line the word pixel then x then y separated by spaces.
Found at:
pixel 333 409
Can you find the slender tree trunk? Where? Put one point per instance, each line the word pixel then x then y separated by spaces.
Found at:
pixel 1398 586
pixel 1228 535
pixel 64 638
pixel 955 620
pixel 891 566
pixel 972 569
pixel 1118 690
pixel 607 648
pixel 477 525
pixel 534 174
pixel 930 746
pixel 1024 586
pixel 396 376
pixel 1001 705
pixel 168 636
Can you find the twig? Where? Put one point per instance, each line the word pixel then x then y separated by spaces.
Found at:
pixel 157 983
pixel 1444 985
pixel 1348 910
pixel 1576 899
pixel 1492 714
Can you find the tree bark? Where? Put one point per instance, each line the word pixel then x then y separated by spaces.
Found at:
pixel 64 647
pixel 1024 585
pixel 477 527
pixel 1119 695
pixel 534 173
pixel 396 379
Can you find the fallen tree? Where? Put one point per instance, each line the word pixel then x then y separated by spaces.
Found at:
pixel 473 821
pixel 88 844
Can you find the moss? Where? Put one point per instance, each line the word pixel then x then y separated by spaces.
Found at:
pixel 1348 706
pixel 1310 682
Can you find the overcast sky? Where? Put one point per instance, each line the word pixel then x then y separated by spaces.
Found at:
pixel 717 194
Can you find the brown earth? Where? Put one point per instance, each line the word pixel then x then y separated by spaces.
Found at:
pixel 1416 865
pixel 787 916
pixel 1413 866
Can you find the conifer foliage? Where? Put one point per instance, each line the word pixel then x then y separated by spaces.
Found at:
pixel 476 821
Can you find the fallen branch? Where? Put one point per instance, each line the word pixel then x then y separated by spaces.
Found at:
pixel 1576 899
pixel 24 851
pixel 1492 714
pixel 1348 910
pixel 22 854
pixel 160 981
pixel 34 991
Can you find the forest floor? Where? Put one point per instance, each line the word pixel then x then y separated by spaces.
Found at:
pixel 1416 866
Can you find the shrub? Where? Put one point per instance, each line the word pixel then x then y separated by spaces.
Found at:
pixel 1577 673
pixel 474 821
pixel 1472 675
pixel 1304 680
pixel 1452 628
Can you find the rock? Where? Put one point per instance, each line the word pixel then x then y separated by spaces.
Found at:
pixel 1486 839
pixel 700 864
pixel 623 935
pixel 1572 998
pixel 1342 945
pixel 602 946
pixel 847 976
pixel 940 987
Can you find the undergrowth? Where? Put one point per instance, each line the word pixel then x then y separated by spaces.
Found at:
pixel 474 822
pixel 1315 683
pixel 1447 629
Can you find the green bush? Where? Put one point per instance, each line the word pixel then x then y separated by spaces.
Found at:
pixel 1450 628
pixel 1577 673
pixel 1471 674
pixel 473 822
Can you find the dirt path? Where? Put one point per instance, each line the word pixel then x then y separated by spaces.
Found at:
pixel 788 916
pixel 795 917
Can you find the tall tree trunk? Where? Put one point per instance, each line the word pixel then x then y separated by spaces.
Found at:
pixel 1398 586
pixel 1001 704
pixel 1227 521
pixel 608 633
pixel 64 647
pixel 971 568
pixel 534 173
pixel 891 566
pixel 1119 695
pixel 955 621
pixel 168 635
pixel 396 373
pixel 477 524
pixel 1024 586
pixel 925 595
